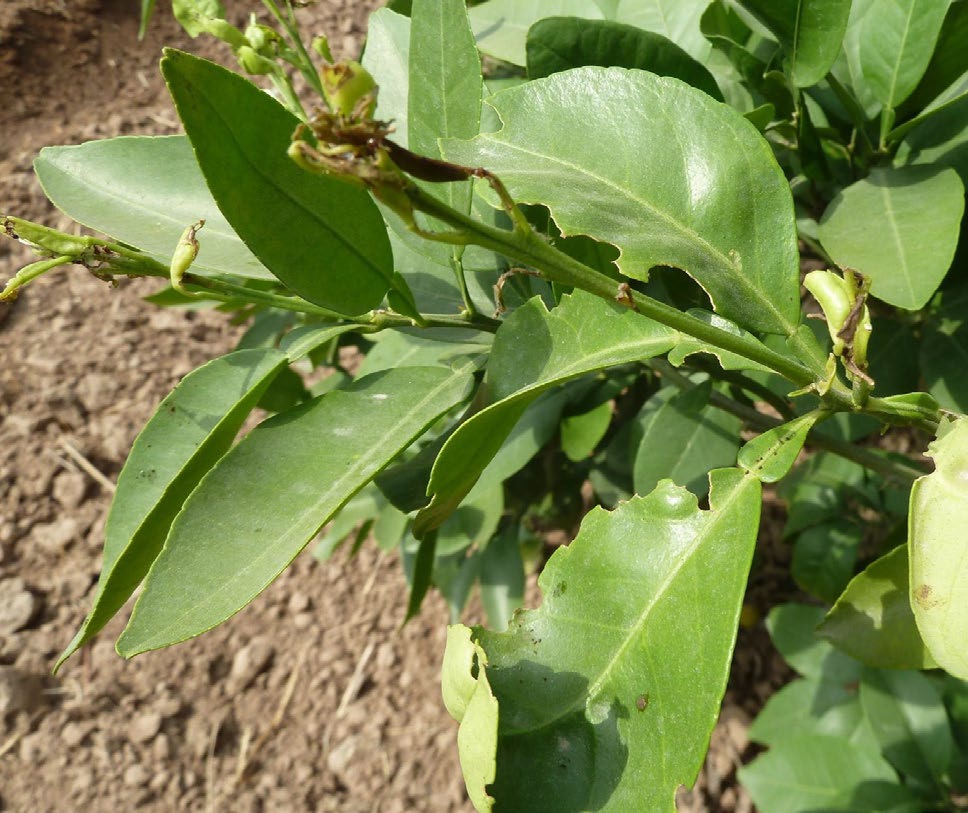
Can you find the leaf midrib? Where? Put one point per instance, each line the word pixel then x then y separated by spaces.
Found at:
pixel 633 633
pixel 734 274
pixel 349 474
pixel 348 245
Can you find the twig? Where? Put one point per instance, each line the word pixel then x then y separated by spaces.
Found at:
pixel 12 741
pixel 88 467
pixel 356 681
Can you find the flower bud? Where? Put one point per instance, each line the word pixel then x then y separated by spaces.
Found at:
pixel 345 84
pixel 254 63
pixel 224 30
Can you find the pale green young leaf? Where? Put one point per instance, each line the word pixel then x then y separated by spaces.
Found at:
pixel 771 455
pixel 895 43
pixel 144 191
pixel 686 182
pixel 234 536
pixel 501 26
pixel 533 351
pixel 810 31
pixel 900 227
pixel 342 259
pixel 909 720
pixel 872 620
pixel 608 692
pixel 471 702
pixel 580 434
pixel 939 570
pixel 191 429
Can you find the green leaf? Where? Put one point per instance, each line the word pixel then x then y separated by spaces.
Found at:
pixel 468 698
pixel 685 182
pixel 817 772
pixel 819 489
pixel 387 58
pixel 192 13
pixel 910 722
pixel 677 21
pixel 793 630
pixel 560 43
pixel 939 569
pixel 191 429
pixel 688 345
pixel 896 41
pixel 824 557
pixel 608 692
pixel 810 31
pixel 534 350
pixel 444 101
pixel 949 60
pixel 502 578
pixel 683 438
pixel 810 706
pixel 580 434
pixel 900 227
pixel 501 26
pixel 341 259
pixel 770 456
pixel 147 9
pixel 944 354
pixel 235 535
pixel 445 83
pixel 873 622
pixel 144 191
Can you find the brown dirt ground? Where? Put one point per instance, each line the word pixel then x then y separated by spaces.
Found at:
pixel 312 699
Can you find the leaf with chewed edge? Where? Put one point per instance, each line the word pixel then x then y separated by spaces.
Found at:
pixel 607 693
pixel 535 349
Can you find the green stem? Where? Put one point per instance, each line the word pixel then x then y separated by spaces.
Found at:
pixel 458 265
pixel 891 469
pixel 227 291
pixel 528 247
pixel 29 273
pixel 747 384
pixel 307 68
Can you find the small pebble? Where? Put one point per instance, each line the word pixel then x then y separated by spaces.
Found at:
pixel 17 605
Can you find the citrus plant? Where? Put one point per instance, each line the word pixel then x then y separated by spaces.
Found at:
pixel 572 281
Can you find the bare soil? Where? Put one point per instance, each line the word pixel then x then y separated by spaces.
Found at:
pixel 311 699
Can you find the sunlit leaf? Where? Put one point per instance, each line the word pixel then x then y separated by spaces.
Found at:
pixel 811 32
pixel 900 227
pixel 608 692
pixel 191 429
pixel 144 191
pixel 939 570
pixel 685 182
pixel 873 621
